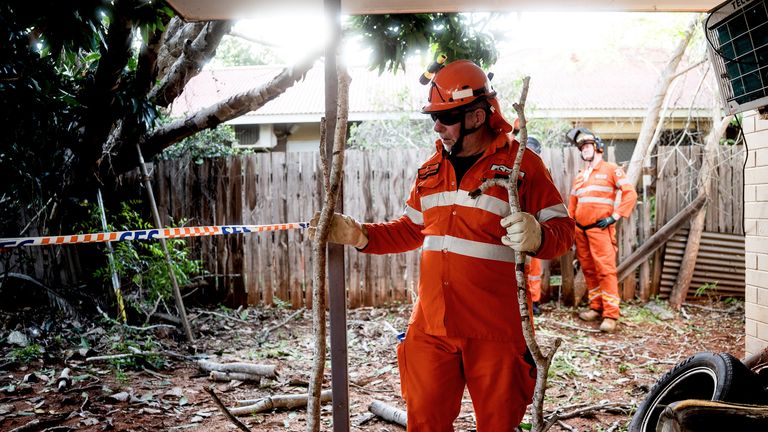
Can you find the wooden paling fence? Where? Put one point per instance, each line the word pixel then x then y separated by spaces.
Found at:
pixel 269 188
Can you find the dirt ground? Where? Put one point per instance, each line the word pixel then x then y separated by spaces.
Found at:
pixel 606 375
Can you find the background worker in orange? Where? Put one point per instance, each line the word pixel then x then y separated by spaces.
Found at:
pixel 465 328
pixel 533 269
pixel 601 194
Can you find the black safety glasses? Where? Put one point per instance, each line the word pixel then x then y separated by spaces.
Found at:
pixel 448 118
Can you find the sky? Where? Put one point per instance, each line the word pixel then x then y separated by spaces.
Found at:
pixel 299 33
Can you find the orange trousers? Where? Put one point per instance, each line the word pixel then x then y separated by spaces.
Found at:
pixel 435 369
pixel 533 272
pixel 596 251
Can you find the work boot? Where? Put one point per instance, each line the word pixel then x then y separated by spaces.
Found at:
pixel 608 325
pixel 590 315
pixel 536 309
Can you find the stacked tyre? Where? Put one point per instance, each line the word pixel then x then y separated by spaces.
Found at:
pixel 703 376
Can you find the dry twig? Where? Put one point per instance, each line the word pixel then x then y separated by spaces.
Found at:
pixel 225 411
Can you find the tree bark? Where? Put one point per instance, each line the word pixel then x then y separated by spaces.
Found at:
pixel 194 55
pixel 159 139
pixel 630 263
pixel 706 177
pixel 652 114
pixel 332 186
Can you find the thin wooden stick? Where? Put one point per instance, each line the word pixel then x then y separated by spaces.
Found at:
pixel 541 360
pixel 226 412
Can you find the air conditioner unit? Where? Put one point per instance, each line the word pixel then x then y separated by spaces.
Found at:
pixel 737 35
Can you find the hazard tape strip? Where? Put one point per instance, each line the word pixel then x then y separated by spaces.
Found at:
pixel 150 234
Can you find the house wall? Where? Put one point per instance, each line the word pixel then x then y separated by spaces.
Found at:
pixel 756 231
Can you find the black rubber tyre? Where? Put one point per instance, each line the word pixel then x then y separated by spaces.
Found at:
pixel 704 376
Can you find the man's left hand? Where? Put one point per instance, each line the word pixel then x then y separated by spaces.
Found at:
pixel 605 222
pixel 523 232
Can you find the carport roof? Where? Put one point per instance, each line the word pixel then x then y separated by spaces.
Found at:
pixel 236 9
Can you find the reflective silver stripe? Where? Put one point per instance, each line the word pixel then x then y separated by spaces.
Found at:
pixel 414 215
pixel 622 181
pixel 596 200
pixel 551 212
pixel 534 278
pixel 469 248
pixel 484 202
pixel 437 200
pixel 594 188
pixel 617 201
pixel 461 198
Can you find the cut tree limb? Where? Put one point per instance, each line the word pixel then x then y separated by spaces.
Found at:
pixel 279 402
pixel 64 380
pixel 389 413
pixel 700 415
pixel 630 263
pixel 268 371
pixel 693 244
pixel 236 376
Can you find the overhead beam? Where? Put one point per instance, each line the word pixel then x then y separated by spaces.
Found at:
pixel 203 10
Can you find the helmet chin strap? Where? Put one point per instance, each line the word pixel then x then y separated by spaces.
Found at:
pixel 464 131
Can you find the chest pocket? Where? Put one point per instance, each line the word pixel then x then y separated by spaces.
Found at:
pixel 602 179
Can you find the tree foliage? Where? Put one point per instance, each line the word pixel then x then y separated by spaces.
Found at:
pixel 395 37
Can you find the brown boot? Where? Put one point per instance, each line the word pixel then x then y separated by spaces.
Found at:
pixel 608 325
pixel 590 315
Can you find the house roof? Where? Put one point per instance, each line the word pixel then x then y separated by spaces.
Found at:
pixel 563 85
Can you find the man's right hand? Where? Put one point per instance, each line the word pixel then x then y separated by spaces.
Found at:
pixel 344 230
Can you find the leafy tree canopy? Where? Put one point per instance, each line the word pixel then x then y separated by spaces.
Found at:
pixel 395 37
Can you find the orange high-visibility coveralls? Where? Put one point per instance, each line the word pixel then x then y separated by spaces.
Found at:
pixel 465 328
pixel 533 272
pixel 598 193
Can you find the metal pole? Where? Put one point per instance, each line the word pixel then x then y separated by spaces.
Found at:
pixel 336 286
pixel 111 256
pixel 168 261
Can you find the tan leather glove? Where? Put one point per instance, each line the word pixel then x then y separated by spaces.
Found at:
pixel 344 230
pixel 523 232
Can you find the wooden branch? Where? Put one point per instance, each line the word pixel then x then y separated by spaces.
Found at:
pixel 175 37
pixel 233 376
pixel 225 411
pixel 652 114
pixel 630 263
pixel 542 361
pixel 279 402
pixel 194 56
pixel 268 371
pixel 319 246
pixel 693 243
pixel 591 409
pixel 389 413
pixel 268 330
pixel 64 380
pixel 234 106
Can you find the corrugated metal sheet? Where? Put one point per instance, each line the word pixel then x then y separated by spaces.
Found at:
pixel 720 263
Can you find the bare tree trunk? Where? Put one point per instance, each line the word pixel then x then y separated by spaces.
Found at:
pixel 332 185
pixel 706 175
pixel 652 115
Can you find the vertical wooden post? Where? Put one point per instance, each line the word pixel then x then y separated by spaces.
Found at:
pixel 566 287
pixel 336 283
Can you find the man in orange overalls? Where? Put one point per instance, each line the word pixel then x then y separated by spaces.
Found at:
pixel 601 194
pixel 465 330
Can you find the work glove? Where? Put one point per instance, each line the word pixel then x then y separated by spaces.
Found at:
pixel 523 232
pixel 344 230
pixel 605 222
